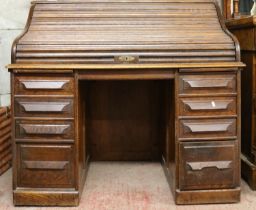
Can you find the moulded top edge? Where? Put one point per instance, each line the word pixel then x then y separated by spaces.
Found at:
pixel 127 66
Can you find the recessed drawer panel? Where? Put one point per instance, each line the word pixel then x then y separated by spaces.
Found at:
pixel 208 165
pixel 31 129
pixel 55 85
pixel 45 166
pixel 207 84
pixel 43 107
pixel 214 106
pixel 207 128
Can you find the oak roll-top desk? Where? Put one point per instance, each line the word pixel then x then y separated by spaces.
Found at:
pixel 132 80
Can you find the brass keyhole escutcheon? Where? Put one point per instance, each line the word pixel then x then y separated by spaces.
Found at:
pixel 126 59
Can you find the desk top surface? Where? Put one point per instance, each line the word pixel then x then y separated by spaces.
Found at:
pixel 61 67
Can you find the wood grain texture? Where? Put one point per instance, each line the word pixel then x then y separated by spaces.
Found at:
pixel 44 107
pixel 109 111
pixel 36 129
pixel 227 9
pixel 28 67
pixel 207 83
pixel 45 165
pixel 210 128
pixel 213 196
pixel 44 129
pixel 208 165
pixel 5 139
pixel 139 74
pixel 125 80
pixel 208 106
pixel 46 198
pixel 50 165
pixel 114 27
pixel 55 84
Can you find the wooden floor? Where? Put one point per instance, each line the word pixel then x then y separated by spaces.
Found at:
pixel 127 186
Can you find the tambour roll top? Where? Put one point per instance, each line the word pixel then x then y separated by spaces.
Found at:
pixel 135 31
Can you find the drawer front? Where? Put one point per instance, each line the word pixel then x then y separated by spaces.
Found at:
pixel 55 85
pixel 42 129
pixel 41 166
pixel 207 128
pixel 208 165
pixel 43 107
pixel 207 106
pixel 207 84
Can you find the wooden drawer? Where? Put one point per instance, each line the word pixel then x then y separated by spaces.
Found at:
pixel 43 107
pixel 43 129
pixel 207 128
pixel 208 165
pixel 43 85
pixel 42 166
pixel 207 106
pixel 207 84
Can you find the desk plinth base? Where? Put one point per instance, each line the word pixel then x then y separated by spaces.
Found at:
pixel 45 198
pixel 207 196
pixel 248 170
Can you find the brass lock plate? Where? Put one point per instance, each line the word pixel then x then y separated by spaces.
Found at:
pixel 126 59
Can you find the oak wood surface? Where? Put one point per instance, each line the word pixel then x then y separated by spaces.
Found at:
pixel 106 25
pixel 210 165
pixel 5 139
pixel 208 106
pixel 125 80
pixel 38 162
pixel 62 67
pixel 26 84
pixel 109 111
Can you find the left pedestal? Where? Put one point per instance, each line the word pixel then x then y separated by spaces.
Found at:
pixel 43 127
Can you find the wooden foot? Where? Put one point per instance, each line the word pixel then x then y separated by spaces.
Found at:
pixel 207 196
pixel 45 198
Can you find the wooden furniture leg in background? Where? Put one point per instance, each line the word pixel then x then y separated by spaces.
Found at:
pixel 5 139
pixel 244 29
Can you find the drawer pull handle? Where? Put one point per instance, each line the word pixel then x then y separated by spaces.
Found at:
pixel 44 106
pixel 44 84
pixel 44 129
pixel 208 83
pixel 220 165
pixel 208 127
pixel 208 105
pixel 51 165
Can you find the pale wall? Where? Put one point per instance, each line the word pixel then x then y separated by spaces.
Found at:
pixel 12 21
pixel 220 3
